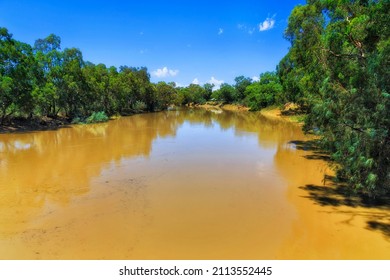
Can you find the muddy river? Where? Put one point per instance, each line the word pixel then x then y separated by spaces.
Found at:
pixel 189 184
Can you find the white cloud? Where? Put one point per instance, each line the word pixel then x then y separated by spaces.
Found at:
pixel 248 29
pixel 195 81
pixel 220 32
pixel 255 79
pixel 165 72
pixel 216 83
pixel 268 24
pixel 173 72
pixel 179 84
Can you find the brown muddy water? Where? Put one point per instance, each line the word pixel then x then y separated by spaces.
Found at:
pixel 189 184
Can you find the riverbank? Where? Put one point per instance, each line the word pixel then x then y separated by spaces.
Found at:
pixel 34 124
pixel 16 125
pixel 221 106
pixel 23 124
pixel 276 113
pixel 273 112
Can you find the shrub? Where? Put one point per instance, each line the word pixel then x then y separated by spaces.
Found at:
pixel 97 117
pixel 139 106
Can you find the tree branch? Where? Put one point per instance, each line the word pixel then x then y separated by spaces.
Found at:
pixel 352 127
pixel 344 54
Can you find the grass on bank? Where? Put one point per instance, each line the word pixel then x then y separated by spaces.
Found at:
pixel 285 112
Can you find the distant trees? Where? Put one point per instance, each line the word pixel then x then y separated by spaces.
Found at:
pixel 267 91
pixel 165 94
pixel 240 86
pixel 46 81
pixel 226 93
pixel 194 94
pixel 338 70
pixel 254 94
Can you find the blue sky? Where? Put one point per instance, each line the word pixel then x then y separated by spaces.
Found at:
pixel 181 41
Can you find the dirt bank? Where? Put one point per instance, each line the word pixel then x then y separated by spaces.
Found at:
pixel 34 124
pixel 276 113
pixel 223 106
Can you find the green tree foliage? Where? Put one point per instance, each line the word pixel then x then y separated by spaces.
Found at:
pixel 225 93
pixel 47 81
pixel 17 76
pixel 192 94
pixel 338 67
pixel 241 85
pixel 267 91
pixel 6 98
pixel 74 96
pixel 132 85
pixel 230 93
pixel 97 78
pixel 208 91
pixel 302 68
pixel 165 95
pixel 48 56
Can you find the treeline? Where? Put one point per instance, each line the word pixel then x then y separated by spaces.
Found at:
pixel 43 80
pixel 337 69
pixel 254 94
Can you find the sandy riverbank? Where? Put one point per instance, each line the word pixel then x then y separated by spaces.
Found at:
pixel 222 106
pixel 269 112
pixel 276 113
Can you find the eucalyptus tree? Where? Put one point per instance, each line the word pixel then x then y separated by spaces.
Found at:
pixel 50 75
pixel 17 76
pixel 338 66
pixel 241 83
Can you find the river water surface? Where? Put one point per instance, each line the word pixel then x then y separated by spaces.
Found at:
pixel 189 184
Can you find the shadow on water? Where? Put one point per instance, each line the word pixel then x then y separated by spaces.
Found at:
pixel 336 194
pixel 313 147
pixel 22 125
pixel 380 226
